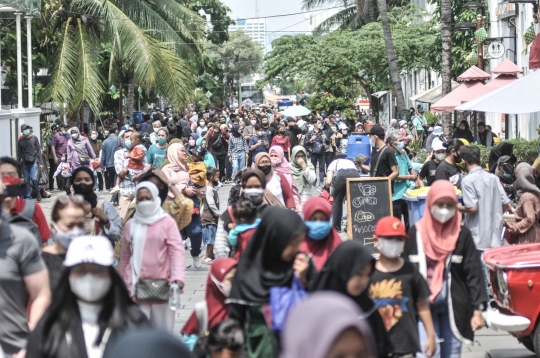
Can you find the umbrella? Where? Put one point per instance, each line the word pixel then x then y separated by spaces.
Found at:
pixel 296 111
pixel 519 96
pixel 465 92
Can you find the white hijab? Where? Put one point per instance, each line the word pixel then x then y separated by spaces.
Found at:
pixel 138 227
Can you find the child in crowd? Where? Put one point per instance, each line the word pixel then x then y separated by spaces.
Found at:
pixel 234 193
pixel 401 292
pixel 210 215
pixel 136 154
pixel 197 176
pixel 64 169
pixel 244 223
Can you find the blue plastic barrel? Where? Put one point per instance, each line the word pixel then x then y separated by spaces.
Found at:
pixel 137 117
pixel 359 144
pixel 417 206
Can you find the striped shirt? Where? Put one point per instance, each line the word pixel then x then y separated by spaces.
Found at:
pixel 60 143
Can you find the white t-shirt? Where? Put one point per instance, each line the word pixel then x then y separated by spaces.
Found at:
pixel 341 163
pixel 274 185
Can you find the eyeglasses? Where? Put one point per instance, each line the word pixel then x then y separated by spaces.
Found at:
pixel 76 198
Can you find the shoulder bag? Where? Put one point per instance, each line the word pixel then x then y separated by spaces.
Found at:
pixel 378 161
pixel 84 158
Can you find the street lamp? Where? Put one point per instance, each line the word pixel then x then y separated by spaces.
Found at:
pixel 480 20
pixel 475 5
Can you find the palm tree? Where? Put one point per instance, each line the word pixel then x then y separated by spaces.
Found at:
pixel 391 55
pixel 154 43
pixel 446 71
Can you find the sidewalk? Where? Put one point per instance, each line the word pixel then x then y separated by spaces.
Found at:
pixel 487 343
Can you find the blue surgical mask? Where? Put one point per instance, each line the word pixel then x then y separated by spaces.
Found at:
pixel 128 143
pixel 508 176
pixel 400 146
pixel 318 230
pixel 372 143
pixel 26 131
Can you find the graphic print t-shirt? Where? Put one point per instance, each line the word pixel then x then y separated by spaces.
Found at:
pixel 396 294
pixel 449 172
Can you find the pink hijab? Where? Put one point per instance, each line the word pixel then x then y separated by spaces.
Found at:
pixel 281 165
pixel 439 240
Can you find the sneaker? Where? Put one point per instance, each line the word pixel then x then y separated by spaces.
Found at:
pixel 38 197
pixel 197 262
pixel 115 190
pixel 208 261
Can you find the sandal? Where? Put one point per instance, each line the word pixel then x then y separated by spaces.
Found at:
pixel 208 261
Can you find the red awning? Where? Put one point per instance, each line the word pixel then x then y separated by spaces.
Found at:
pixel 499 81
pixel 463 93
pixel 507 67
pixel 474 74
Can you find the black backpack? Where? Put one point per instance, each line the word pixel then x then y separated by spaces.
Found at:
pixel 25 219
pixel 218 146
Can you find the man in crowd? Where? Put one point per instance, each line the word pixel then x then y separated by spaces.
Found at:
pixel 110 145
pixel 30 156
pixel 430 167
pixel 258 143
pixel 383 162
pixel 420 124
pixel 24 280
pixel 270 131
pixel 485 137
pixel 52 159
pixel 293 131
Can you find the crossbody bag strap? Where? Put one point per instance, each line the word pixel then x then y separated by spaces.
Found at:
pixel 201 312
pixel 378 161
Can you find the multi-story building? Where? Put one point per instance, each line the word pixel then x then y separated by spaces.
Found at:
pixel 255 28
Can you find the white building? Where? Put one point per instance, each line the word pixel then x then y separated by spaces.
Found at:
pixel 255 28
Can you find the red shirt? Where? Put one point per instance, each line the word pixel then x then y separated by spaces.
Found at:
pixel 133 164
pixel 39 218
pixel 284 143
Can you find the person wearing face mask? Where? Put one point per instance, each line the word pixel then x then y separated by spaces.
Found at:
pixel 444 252
pixel 316 142
pixel 429 168
pixel 218 288
pixel 484 201
pixel 506 173
pixel 282 140
pixel 271 260
pixel 67 224
pixel 90 306
pixel 405 180
pixel 152 250
pixel 303 172
pixel 158 151
pixel 238 150
pixel 400 292
pixel 208 157
pixel 202 127
pixel 31 158
pixel 79 150
pixel 106 220
pixel 348 271
pixel 278 188
pixel 258 142
pixel 97 145
pixel 270 131
pixel 156 125
pixel 448 170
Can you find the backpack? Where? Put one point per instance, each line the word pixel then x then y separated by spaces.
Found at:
pixel 218 146
pixel 25 219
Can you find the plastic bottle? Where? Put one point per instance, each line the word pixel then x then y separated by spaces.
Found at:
pixel 174 297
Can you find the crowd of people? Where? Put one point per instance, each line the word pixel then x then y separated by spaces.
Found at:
pixel 282 281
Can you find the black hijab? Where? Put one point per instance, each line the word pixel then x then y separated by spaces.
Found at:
pixel 253 173
pixel 465 134
pixel 503 148
pixel 87 191
pixel 261 266
pixel 342 264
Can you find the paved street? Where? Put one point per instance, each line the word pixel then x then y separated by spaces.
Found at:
pixel 488 343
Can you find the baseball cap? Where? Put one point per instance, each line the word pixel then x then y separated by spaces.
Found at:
pixel 24 126
pixel 343 126
pixel 54 127
pixel 378 131
pixel 198 151
pixel 437 131
pixel 89 250
pixel 438 146
pixel 390 226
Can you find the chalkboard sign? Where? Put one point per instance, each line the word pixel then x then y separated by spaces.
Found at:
pixel 368 200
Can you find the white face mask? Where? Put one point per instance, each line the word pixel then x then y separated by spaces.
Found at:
pixel 222 287
pixel 440 156
pixel 90 288
pixel 74 135
pixel 390 247
pixel 319 125
pixel 146 207
pixel 156 130
pixel 443 215
pixel 253 122
pixel 201 124
pixel 93 136
pixel 66 237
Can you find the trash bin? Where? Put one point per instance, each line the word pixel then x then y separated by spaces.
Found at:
pixel 417 206
pixel 358 144
pixel 137 117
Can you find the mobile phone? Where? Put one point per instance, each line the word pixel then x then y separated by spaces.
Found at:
pixel 13 187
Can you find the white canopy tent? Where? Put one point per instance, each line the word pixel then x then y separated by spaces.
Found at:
pixel 520 96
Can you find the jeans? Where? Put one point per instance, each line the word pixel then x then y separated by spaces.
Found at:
pixel 228 169
pixel 329 158
pixel 98 180
pixel 220 160
pixel 322 169
pixel 238 164
pixel 30 173
pixel 450 347
pixel 194 232
pixel 340 188
pixel 400 208
pixel 110 178
pixel 52 168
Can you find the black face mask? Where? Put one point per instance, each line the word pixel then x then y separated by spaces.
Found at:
pixel 457 158
pixel 83 189
pixel 265 169
pixel 215 182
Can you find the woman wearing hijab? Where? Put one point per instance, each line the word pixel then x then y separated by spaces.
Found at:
pixel 238 150
pixel 267 262
pixel 281 165
pixel 501 149
pixel 327 324
pixel 152 250
pixel 463 132
pixel 440 243
pixel 105 219
pixel 348 271
pixel 218 287
pixel 278 190
pixel 303 172
pixel 322 239
pixel 176 173
pixel 79 150
pixel 253 189
pixel 208 157
pixel 526 226
pixel 90 307
pixel 192 141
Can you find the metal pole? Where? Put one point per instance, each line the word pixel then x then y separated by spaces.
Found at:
pixel 506 126
pixel 19 62
pixel 29 55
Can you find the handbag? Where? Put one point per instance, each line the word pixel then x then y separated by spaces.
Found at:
pixel 317 148
pixel 149 290
pixel 96 165
pixel 43 178
pixel 283 299
pixel 326 195
pixel 84 159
